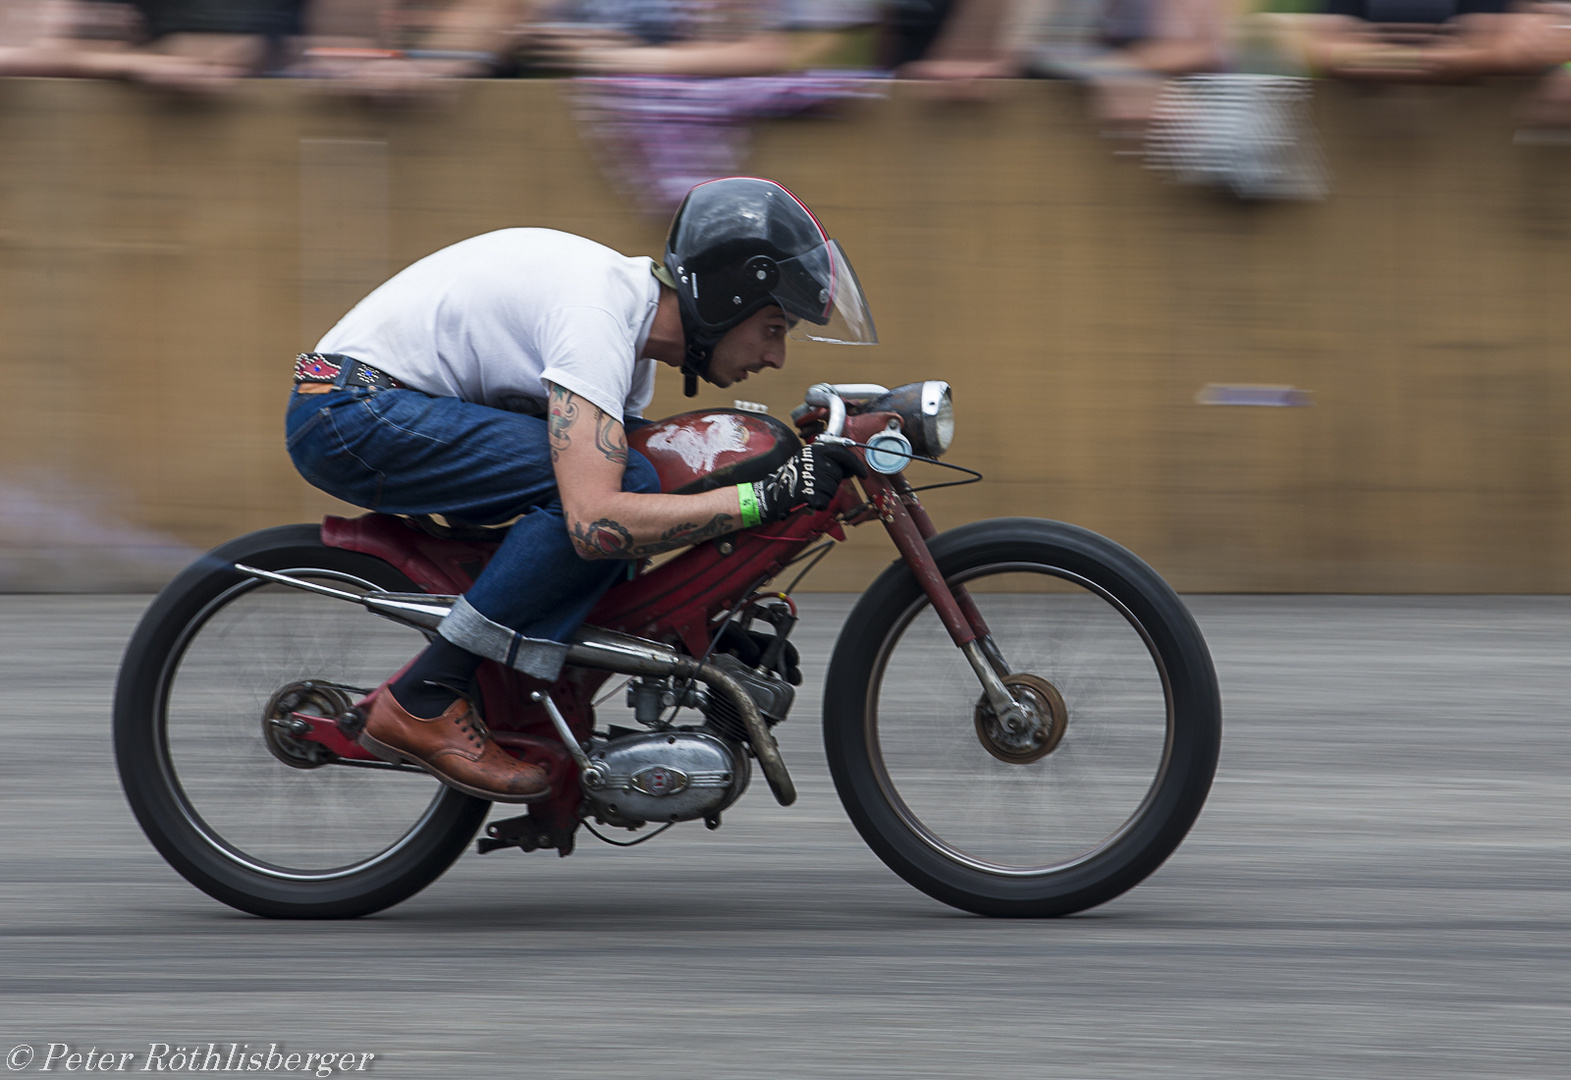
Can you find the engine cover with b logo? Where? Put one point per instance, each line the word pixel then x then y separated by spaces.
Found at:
pixel 666 776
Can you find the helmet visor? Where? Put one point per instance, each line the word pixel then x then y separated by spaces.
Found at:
pixel 819 290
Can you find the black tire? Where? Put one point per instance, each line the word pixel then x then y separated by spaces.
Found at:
pixel 232 816
pixel 923 774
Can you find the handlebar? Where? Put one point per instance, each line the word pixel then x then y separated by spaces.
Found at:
pixel 832 396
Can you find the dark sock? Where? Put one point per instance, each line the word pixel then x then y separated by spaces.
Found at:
pixel 437 678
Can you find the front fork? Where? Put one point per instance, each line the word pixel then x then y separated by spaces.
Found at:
pixel 910 528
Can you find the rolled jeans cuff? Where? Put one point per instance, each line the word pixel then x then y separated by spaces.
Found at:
pixel 473 632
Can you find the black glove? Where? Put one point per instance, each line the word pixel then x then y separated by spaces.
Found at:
pixel 811 477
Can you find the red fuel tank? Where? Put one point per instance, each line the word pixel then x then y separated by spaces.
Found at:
pixel 700 451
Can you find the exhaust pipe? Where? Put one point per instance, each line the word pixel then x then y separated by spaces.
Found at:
pixel 422 610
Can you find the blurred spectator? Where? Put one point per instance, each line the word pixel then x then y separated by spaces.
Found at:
pixel 1154 71
pixel 1123 49
pixel 187 44
pixel 951 40
pixel 390 49
pixel 1093 38
pixel 1248 134
pixel 668 89
pixel 716 38
pixel 1430 40
pixel 908 30
pixel 1444 41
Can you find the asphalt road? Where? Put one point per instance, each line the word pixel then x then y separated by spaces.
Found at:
pixel 1380 886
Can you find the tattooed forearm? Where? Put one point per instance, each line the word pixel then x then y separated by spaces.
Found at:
pixel 685 535
pixel 609 439
pixel 563 412
pixel 607 539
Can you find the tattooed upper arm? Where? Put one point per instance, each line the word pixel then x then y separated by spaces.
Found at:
pixel 609 438
pixel 563 413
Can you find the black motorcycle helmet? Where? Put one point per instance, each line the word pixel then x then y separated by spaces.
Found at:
pixel 739 244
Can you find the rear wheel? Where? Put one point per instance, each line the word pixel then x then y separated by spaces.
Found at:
pixel 263 821
pixel 1072 800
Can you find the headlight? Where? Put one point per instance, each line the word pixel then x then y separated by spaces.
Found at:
pixel 926 411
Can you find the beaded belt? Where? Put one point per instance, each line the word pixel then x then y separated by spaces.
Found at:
pixel 341 370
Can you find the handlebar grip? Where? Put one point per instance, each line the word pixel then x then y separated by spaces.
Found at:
pixel 825 395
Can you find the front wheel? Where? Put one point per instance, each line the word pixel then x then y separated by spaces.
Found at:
pixel 1079 795
pixel 267 823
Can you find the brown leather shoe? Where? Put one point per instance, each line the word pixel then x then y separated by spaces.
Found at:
pixel 455 748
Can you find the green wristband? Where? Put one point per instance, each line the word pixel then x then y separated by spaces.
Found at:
pixel 748 498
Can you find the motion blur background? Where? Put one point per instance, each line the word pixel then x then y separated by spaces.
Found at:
pixel 1273 332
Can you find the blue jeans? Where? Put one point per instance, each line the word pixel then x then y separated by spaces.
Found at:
pixel 404 452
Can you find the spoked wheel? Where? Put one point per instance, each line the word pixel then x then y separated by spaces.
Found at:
pixel 1071 798
pixel 206 737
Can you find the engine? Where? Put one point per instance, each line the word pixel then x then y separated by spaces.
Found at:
pixel 683 773
pixel 673 775
pixel 769 692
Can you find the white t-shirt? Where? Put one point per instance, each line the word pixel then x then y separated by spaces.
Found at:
pixel 493 318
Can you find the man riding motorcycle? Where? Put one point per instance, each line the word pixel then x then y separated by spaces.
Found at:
pixel 497 378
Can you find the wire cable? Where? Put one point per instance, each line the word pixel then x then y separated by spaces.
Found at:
pixel 625 843
pixel 973 477
pixel 818 554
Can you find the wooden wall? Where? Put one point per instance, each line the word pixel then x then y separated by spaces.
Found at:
pixel 161 261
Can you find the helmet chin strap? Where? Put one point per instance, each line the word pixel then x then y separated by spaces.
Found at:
pixel 701 344
pixel 696 366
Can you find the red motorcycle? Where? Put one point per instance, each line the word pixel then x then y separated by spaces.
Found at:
pixel 1021 717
